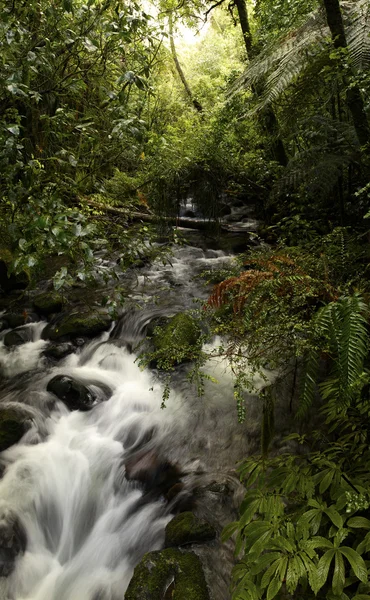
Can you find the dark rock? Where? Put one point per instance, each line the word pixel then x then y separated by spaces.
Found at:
pixel 156 475
pixel 77 325
pixel 74 394
pixel 17 337
pixel 186 528
pixel 3 324
pixel 13 425
pixel 15 319
pixel 80 342
pixel 179 498
pixel 13 541
pixel 10 282
pixel 58 351
pixel 48 303
pixel 159 570
pixel 190 214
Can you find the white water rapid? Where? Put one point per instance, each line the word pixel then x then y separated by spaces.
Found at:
pixel 86 525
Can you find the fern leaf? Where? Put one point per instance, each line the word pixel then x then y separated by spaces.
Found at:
pixel 358 32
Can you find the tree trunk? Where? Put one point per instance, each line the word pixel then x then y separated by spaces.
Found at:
pixel 268 117
pixel 353 95
pixel 179 70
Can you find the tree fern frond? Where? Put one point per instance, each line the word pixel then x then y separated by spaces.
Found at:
pixel 357 20
pixel 292 52
pixel 353 344
pixel 309 383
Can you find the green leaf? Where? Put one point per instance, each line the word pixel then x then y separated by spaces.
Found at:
pixel 356 561
pixel 339 574
pixel 323 569
pixel 229 530
pixel 359 522
pixel 273 588
pixel 334 516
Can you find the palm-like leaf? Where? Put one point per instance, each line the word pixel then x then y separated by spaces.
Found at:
pixel 357 19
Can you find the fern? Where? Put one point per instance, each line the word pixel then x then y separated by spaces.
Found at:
pixel 343 326
pixel 358 32
pixel 284 62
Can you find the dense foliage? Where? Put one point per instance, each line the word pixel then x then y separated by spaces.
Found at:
pixel 104 107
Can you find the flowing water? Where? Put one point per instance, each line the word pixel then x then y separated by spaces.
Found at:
pixel 86 525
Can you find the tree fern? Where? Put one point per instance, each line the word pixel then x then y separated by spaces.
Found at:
pixel 284 62
pixel 342 328
pixel 358 32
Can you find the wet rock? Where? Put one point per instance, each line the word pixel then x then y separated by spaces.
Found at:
pixel 186 528
pixel 48 303
pixel 17 337
pixel 13 425
pixel 74 394
pixel 10 282
pixel 13 541
pixel 14 319
pixel 161 569
pixel 179 498
pixel 157 475
pixel 225 210
pixel 77 325
pixel 58 351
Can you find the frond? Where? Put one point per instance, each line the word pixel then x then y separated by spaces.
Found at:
pixel 309 383
pixel 284 61
pixel 357 20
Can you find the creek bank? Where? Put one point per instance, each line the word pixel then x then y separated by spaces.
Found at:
pixel 70 326
pixel 169 573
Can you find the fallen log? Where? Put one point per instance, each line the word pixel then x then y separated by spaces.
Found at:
pixel 186 222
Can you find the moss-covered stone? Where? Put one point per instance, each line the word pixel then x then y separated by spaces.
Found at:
pixel 157 570
pixel 48 303
pixel 71 326
pixel 186 528
pixel 177 342
pixel 11 282
pixel 13 425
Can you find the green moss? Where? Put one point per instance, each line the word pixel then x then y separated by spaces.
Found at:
pixel 186 528
pixel 12 428
pixel 87 325
pixel 177 342
pixel 48 303
pixel 158 569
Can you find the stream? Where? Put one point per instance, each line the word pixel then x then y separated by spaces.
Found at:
pixel 82 525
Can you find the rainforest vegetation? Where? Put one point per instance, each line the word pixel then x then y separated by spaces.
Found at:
pixel 112 113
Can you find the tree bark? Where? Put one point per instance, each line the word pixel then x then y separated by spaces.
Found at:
pixel 354 98
pixel 268 116
pixel 197 105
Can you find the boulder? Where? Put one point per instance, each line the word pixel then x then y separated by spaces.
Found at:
pixel 76 325
pixel 13 425
pixel 156 475
pixel 177 341
pixel 163 569
pixel 13 541
pixel 186 528
pixel 48 303
pixel 58 351
pixel 18 336
pixel 10 282
pixel 74 394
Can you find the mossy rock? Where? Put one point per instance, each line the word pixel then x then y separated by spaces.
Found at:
pixel 186 528
pixel 48 303
pixel 13 425
pixel 156 572
pixel 178 340
pixel 88 325
pixel 11 282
